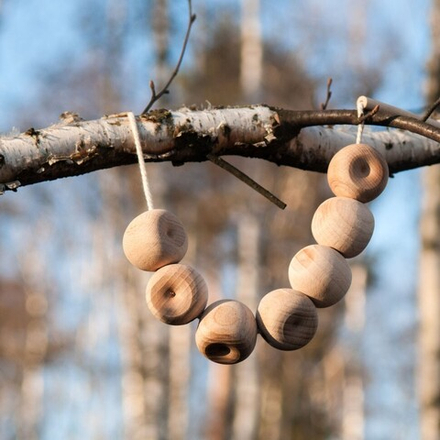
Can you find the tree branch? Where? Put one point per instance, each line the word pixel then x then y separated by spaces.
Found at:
pixel 301 139
pixel 156 96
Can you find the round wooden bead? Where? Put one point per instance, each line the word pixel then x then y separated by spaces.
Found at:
pixel 287 319
pixel 359 172
pixel 321 273
pixel 343 224
pixel 176 294
pixel 227 332
pixel 154 239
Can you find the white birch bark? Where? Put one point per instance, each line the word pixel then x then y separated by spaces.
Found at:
pixel 75 147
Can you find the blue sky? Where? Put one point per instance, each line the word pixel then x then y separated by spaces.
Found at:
pixel 36 33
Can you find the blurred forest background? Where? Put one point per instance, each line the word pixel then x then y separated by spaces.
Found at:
pixel 81 357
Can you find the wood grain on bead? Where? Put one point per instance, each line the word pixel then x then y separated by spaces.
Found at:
pixel 321 273
pixel 287 319
pixel 359 172
pixel 154 239
pixel 343 224
pixel 227 332
pixel 177 294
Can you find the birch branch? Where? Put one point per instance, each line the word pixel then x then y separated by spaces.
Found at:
pixel 301 139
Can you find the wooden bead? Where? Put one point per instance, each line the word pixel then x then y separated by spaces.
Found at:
pixel 227 332
pixel 287 319
pixel 154 239
pixel 359 172
pixel 177 294
pixel 343 224
pixel 321 273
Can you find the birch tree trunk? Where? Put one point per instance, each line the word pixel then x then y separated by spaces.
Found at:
pixel 178 339
pixel 353 412
pixel 251 68
pixel 219 386
pixel 35 349
pixel 429 302
pixel 247 388
pixel 429 283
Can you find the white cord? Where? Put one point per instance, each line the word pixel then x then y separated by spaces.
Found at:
pixel 360 112
pixel 141 161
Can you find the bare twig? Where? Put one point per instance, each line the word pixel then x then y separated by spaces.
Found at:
pixel 328 96
pixel 370 114
pixel 156 96
pixel 430 110
pixel 246 179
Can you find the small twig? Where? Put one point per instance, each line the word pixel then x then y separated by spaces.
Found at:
pixel 153 91
pixel 430 110
pixel 156 96
pixel 246 179
pixel 368 115
pixel 328 96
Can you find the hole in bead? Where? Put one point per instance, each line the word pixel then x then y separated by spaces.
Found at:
pixel 176 235
pixel 361 168
pixel 171 293
pixel 217 350
pixel 291 324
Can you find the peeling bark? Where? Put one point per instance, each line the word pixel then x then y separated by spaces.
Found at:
pixel 301 139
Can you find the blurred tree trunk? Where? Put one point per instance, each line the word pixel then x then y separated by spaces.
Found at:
pixel 352 384
pixel 246 377
pixel 35 346
pixel 251 66
pixel 155 386
pixel 246 388
pixel 161 28
pixel 177 375
pixel 429 282
pixel 429 302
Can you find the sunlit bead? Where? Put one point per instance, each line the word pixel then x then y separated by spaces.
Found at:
pixel 154 239
pixel 321 273
pixel 227 332
pixel 287 319
pixel 176 294
pixel 343 224
pixel 359 172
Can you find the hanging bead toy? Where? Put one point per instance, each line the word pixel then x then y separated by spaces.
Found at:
pixel 319 274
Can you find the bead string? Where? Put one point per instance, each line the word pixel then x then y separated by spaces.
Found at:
pixel 141 161
pixel 360 112
pixel 319 274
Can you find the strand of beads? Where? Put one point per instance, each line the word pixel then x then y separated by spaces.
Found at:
pixel 319 274
pixel 286 318
pixel 156 241
pixel 177 294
